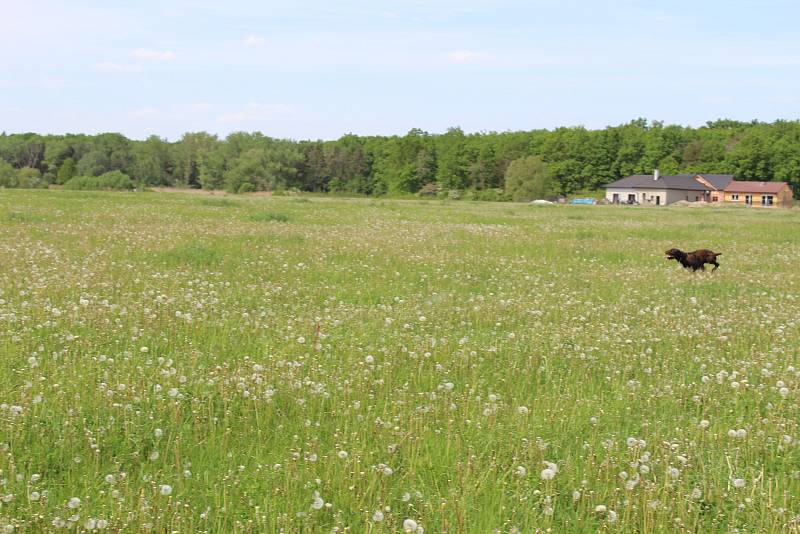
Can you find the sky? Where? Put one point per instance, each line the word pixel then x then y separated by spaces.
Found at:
pixel 321 69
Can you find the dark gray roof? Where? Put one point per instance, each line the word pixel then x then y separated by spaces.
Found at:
pixel 720 181
pixel 645 181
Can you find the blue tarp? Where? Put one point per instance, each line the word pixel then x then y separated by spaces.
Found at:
pixel 583 201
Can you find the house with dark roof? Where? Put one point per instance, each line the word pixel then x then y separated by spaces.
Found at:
pixel 762 194
pixel 654 189
pixel 657 190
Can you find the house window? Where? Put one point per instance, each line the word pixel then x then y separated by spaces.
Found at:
pixel 766 200
pixel 615 198
pixel 631 198
pixel 734 197
pixel 748 199
pixel 715 198
pixel 696 198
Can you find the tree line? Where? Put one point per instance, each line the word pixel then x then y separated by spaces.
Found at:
pixel 488 165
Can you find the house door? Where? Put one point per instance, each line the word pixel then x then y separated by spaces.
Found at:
pixel 615 198
pixel 748 199
pixel 658 200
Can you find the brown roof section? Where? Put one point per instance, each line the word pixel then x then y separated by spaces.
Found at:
pixel 754 187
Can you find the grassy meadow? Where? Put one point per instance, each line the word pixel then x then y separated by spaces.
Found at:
pixel 186 363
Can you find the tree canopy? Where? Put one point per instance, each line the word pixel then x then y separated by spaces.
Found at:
pixel 576 158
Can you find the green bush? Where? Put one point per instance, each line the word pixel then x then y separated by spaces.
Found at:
pixel 246 187
pixel 114 180
pixel 8 175
pixel 29 178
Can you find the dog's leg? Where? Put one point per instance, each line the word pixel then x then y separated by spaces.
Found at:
pixel 716 265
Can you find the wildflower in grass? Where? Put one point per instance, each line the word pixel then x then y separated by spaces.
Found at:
pixel 34 496
pixel 90 524
pixel 173 392
pixel 58 523
pixel 342 455
pixel 612 516
pixel 317 503
pixel 409 525
pixel 301 340
pixel 784 392
pixel 377 516
pixel 73 503
pixel 158 433
pixel 520 471
pixel 738 482
pixel 165 490
pixel 704 423
pixel 522 410
pixel 154 456
pixel 674 472
pixel 576 495
pixel 600 508
pixel 696 494
pixel 102 524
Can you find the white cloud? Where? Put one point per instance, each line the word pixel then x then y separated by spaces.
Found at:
pixel 146 54
pixel 467 56
pixel 255 112
pixel 254 41
pixel 110 66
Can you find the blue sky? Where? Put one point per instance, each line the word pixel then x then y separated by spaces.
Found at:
pixel 320 69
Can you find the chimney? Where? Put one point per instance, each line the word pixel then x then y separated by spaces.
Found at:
pixel 656 175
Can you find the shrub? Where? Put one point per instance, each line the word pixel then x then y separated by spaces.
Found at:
pixel 428 190
pixel 29 178
pixel 246 187
pixel 114 180
pixel 8 175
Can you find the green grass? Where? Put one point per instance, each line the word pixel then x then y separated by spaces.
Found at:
pixel 440 345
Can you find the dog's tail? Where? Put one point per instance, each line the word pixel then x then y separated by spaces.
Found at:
pixel 718 254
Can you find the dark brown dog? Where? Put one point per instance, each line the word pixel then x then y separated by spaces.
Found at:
pixel 694 260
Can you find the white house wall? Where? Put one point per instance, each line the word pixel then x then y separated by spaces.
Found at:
pixel 674 195
pixel 648 196
pixel 623 193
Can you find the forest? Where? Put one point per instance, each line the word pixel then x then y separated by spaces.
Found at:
pixel 486 165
